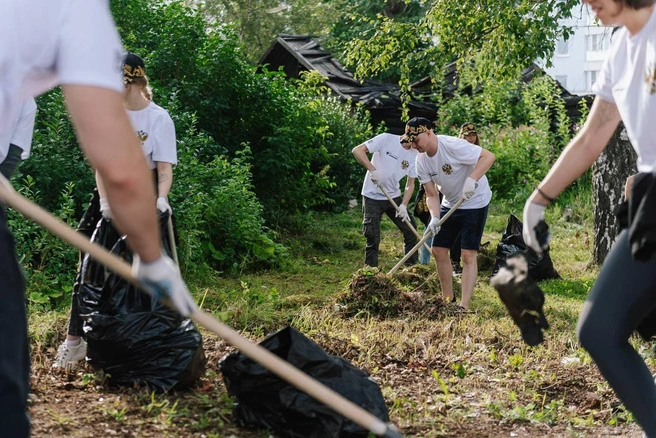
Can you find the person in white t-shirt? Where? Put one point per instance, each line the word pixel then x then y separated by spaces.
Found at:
pixel 75 44
pixel 155 130
pixel 458 168
pixel 21 140
pixel 625 290
pixel 391 161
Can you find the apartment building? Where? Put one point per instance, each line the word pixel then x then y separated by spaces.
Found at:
pixel 577 61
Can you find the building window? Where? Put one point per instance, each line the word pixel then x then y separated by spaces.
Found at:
pixel 592 77
pixel 597 43
pixel 562 80
pixel 562 48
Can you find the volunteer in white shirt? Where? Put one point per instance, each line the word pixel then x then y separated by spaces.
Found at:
pixel 625 290
pixel 73 43
pixel 155 130
pixel 391 161
pixel 458 168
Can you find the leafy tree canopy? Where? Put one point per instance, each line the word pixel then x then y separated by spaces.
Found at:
pixel 257 22
pixel 490 40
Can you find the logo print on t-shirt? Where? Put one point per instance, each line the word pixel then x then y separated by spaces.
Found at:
pixel 405 164
pixel 650 79
pixel 447 169
pixel 143 136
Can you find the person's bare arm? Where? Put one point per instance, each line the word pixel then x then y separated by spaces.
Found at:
pixel 627 187
pixel 582 151
pixel 484 163
pixel 432 199
pixel 164 178
pixel 361 154
pixel 109 143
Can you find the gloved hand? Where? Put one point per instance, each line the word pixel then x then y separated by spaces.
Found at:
pixel 375 176
pixel 402 213
pixel 163 206
pixel 537 240
pixel 433 226
pixel 469 188
pixel 104 209
pixel 523 298
pixel 161 277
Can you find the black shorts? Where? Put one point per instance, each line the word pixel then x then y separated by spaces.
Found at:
pixel 468 223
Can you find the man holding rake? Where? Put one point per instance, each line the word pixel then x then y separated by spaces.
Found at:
pixel 392 159
pixel 73 43
pixel 458 168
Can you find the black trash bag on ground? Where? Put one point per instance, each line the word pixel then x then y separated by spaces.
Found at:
pixel 264 400
pixel 540 267
pixel 131 337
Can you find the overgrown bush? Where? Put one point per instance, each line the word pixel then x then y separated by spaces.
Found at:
pixel 300 142
pixel 219 217
pixel 48 262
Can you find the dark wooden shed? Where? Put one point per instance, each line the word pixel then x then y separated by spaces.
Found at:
pixel 297 53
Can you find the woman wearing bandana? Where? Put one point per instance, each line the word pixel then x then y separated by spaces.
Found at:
pixel 155 130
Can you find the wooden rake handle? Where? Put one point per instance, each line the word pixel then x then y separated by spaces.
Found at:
pixel 264 357
pixel 426 237
pixel 396 207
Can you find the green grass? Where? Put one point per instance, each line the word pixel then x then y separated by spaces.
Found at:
pixel 469 372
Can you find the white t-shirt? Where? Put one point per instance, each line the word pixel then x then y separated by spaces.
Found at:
pixel 23 128
pixel 628 79
pixel 48 42
pixel 156 130
pixel 392 162
pixel 450 167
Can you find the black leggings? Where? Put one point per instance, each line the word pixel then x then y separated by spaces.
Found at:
pixel 624 293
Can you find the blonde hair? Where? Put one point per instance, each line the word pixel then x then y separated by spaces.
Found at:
pixel 144 87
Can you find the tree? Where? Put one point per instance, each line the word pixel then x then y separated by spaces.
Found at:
pixel 616 163
pixel 257 22
pixel 489 40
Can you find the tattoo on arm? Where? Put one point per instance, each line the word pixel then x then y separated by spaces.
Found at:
pixel 605 113
pixel 162 176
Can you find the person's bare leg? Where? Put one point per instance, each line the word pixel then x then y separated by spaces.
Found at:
pixel 469 275
pixel 444 271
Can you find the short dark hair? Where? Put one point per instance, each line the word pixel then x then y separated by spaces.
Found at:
pixel 636 4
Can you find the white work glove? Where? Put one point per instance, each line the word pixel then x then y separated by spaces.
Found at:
pixel 375 176
pixel 433 226
pixel 163 206
pixel 402 213
pixel 161 277
pixel 533 214
pixel 104 209
pixel 469 188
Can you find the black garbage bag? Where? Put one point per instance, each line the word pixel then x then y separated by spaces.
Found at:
pixel 264 400
pixel 540 267
pixel 131 337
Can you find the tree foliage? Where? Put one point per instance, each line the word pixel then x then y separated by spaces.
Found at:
pixel 490 40
pixel 257 22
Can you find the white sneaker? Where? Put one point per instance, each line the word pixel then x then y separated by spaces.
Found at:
pixel 69 355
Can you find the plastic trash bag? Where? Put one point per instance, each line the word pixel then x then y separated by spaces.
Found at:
pixel 512 241
pixel 131 337
pixel 263 400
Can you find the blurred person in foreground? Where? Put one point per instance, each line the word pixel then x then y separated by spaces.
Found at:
pixel 75 44
pixel 625 290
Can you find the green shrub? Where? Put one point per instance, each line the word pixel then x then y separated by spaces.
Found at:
pixel 219 217
pixel 48 262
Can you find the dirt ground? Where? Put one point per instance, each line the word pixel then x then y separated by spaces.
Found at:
pixel 78 405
